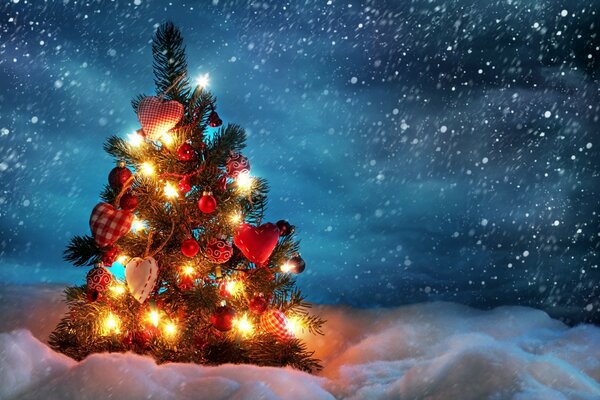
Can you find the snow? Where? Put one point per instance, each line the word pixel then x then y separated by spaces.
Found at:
pixel 429 350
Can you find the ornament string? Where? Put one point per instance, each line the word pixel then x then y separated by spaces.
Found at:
pixel 124 189
pixel 149 243
pixel 167 90
pixel 164 243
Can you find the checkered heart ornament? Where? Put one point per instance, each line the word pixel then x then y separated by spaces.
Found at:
pixel 276 323
pixel 109 224
pixel 158 116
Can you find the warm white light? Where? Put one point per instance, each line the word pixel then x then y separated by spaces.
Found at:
pixel 123 259
pixel 171 191
pixel 135 139
pixel 147 169
pixel 111 324
pixel 117 289
pixel 234 287
pixel 244 182
pixel 235 218
pixel 170 329
pixel 136 226
pixel 287 267
pixel 202 80
pixel 244 326
pixel 153 317
pixel 187 270
pixel 167 139
pixel 294 326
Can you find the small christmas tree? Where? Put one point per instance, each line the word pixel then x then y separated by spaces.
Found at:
pixel 180 192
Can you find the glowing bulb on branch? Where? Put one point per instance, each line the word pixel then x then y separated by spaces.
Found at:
pixel 117 289
pixel 170 329
pixel 137 226
pixel 123 258
pixel 171 191
pixel 287 267
pixel 111 324
pixel 153 317
pixel 234 287
pixel 187 270
pixel 202 80
pixel 147 169
pixel 244 326
pixel 244 182
pixel 235 218
pixel 135 139
pixel 294 326
pixel 167 139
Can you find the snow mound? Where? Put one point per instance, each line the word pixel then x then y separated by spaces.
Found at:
pixel 432 350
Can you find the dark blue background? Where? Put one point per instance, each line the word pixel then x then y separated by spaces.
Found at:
pixel 425 150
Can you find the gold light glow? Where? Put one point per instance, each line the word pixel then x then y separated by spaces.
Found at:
pixel 117 289
pixel 244 326
pixel 136 226
pixel 153 317
pixel 294 326
pixel 187 270
pixel 287 267
pixel 244 182
pixel 171 191
pixel 167 139
pixel 170 329
pixel 123 259
pixel 111 324
pixel 235 218
pixel 234 287
pixel 203 80
pixel 134 139
pixel 147 168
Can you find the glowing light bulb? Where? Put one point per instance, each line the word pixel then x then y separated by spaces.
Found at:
pixel 287 267
pixel 147 169
pixel 202 80
pixel 153 317
pixel 136 226
pixel 167 139
pixel 188 270
pixel 235 218
pixel 171 191
pixel 123 259
pixel 111 324
pixel 135 139
pixel 170 329
pixel 117 289
pixel 244 326
pixel 244 182
pixel 294 326
pixel 234 287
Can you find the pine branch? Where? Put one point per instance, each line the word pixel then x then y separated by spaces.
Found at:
pixel 82 251
pixel 170 65
pixel 232 138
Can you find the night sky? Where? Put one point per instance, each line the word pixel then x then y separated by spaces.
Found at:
pixel 425 150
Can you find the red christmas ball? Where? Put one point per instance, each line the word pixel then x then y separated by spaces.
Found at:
pixel 285 229
pixel 98 281
pixel 190 247
pixel 185 152
pixel 219 251
pixel 118 176
pixel 237 164
pixel 213 119
pixel 222 318
pixel 258 304
pixel 128 202
pixel 207 203
pixel 109 256
pixel 184 185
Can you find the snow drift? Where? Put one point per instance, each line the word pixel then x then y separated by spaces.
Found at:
pixel 432 350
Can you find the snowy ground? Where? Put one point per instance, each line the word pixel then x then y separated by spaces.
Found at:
pixel 433 351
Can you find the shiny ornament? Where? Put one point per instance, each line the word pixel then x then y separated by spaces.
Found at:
pixel 190 247
pixel 296 264
pixel 285 229
pixel 158 116
pixel 128 202
pixel 207 203
pixel 141 275
pixel 258 304
pixel 218 251
pixel 222 184
pixel 237 164
pixel 184 185
pixel 109 224
pixel 110 255
pixel 185 152
pixel 118 176
pixel 222 318
pixel 98 280
pixel 213 119
pixel 257 243
pixel 276 323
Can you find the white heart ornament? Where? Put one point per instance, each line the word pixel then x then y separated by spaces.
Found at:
pixel 141 275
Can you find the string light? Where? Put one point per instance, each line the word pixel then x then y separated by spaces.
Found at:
pixel 187 270
pixel 167 139
pixel 244 182
pixel 153 317
pixel 136 226
pixel 147 169
pixel 244 326
pixel 287 267
pixel 117 289
pixel 235 218
pixel 134 139
pixel 234 287
pixel 111 324
pixel 170 329
pixel 171 191
pixel 294 326
pixel 202 80
pixel 123 258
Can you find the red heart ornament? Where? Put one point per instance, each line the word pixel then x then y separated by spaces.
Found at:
pixel 158 116
pixel 109 224
pixel 257 243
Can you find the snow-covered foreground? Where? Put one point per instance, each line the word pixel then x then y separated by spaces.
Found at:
pixel 433 351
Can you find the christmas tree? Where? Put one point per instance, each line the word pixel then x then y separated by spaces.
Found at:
pixel 206 280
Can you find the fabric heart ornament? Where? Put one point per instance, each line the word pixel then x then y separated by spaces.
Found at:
pixel 109 224
pixel 141 275
pixel 276 323
pixel 257 242
pixel 158 116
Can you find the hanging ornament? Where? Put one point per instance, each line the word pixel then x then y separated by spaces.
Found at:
pixel 186 282
pixel 98 280
pixel 119 175
pixel 213 119
pixel 222 318
pixel 218 251
pixel 184 185
pixel 295 265
pixel 109 224
pixel 141 275
pixel 158 116
pixel 207 203
pixel 285 229
pixel 128 202
pixel 258 304
pixel 257 243
pixel 190 247
pixel 185 152
pixel 276 323
pixel 222 184
pixel 110 255
pixel 237 164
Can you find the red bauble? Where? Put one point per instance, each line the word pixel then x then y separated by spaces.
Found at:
pixel 213 119
pixel 207 203
pixel 184 185
pixel 185 152
pixel 219 251
pixel 237 164
pixel 224 291
pixel 258 304
pixel 118 176
pixel 98 281
pixel 128 202
pixel 222 184
pixel 109 256
pixel 222 318
pixel 276 323
pixel 257 243
pixel 285 229
pixel 190 247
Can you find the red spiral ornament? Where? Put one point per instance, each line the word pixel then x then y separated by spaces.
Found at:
pixel 98 279
pixel 237 164
pixel 219 251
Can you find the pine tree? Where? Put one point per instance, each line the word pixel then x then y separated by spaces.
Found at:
pixel 189 294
